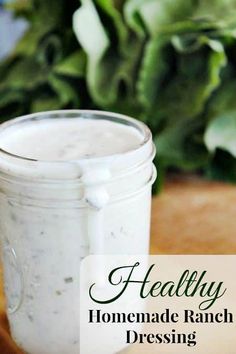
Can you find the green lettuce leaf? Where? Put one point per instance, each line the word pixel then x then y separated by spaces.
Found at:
pixel 169 16
pixel 116 23
pixel 25 74
pixel 222 167
pixel 110 73
pixel 223 12
pixel 73 66
pixel 175 147
pixel 154 16
pixel 63 90
pixel 28 44
pixel 153 70
pixel 221 133
pixel 50 50
pixel 223 100
pixel 13 103
pixel 46 103
pixel 182 95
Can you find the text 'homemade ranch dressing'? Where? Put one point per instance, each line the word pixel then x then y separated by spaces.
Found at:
pixel 72 183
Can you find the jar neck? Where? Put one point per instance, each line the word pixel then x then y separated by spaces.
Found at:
pixel 137 172
pixel 38 171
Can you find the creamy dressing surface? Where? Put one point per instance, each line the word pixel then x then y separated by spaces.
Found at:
pixel 69 139
pixel 44 242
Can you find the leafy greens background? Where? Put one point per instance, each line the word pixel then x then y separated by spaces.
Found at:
pixel 171 64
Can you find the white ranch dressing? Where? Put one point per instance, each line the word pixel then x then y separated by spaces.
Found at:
pixel 69 187
pixel 69 139
pixel 78 140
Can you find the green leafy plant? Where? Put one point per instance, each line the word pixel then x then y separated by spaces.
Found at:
pixel 171 64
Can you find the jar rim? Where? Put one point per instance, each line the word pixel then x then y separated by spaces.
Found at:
pixel 85 114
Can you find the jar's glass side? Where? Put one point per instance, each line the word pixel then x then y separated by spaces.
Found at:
pixel 49 246
pixel 45 222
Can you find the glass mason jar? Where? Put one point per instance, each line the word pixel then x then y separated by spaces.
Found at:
pixel 53 214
